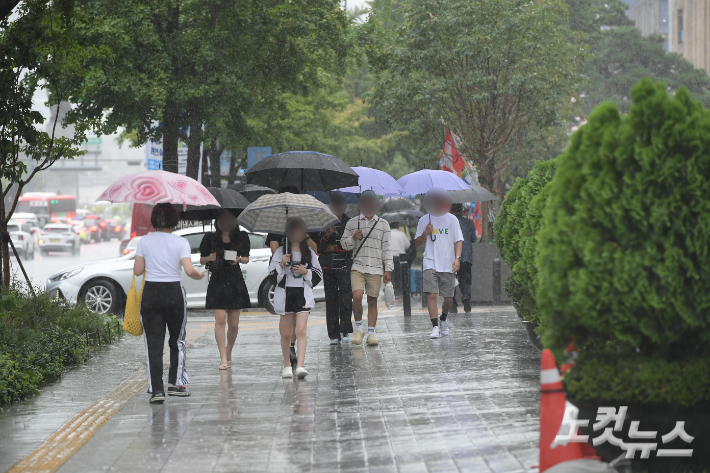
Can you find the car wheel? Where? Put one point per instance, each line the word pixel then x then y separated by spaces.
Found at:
pixel 44 252
pixel 266 295
pixel 101 296
pixel 74 250
pixel 30 254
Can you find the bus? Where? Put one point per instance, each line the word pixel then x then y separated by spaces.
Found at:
pixel 55 207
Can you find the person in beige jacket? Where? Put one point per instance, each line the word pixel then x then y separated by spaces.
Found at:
pixel 369 237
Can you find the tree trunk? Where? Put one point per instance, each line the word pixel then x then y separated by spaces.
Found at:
pixel 170 152
pixel 205 178
pixel 216 149
pixel 193 150
pixel 5 257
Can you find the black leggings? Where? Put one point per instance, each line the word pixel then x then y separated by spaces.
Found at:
pixel 163 304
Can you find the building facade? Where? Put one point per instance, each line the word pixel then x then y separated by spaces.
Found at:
pixel 684 24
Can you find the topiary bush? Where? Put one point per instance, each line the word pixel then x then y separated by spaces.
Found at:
pixel 40 337
pixel 624 251
pixel 516 236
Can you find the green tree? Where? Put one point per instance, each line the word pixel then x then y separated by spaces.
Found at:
pixel 38 50
pixel 622 254
pixel 489 69
pixel 194 63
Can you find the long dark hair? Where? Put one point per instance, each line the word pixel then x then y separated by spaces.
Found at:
pixel 235 237
pixel 291 225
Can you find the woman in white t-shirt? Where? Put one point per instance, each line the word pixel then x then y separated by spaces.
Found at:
pixel 297 272
pixel 163 256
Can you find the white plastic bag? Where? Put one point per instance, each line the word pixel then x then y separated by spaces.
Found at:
pixel 389 295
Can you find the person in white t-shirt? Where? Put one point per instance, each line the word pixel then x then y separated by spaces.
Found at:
pixel 441 233
pixel 398 240
pixel 163 256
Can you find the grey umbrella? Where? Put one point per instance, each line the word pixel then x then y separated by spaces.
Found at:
pixel 228 199
pixel 269 213
pixel 395 204
pixel 251 191
pixel 303 170
pixel 474 194
pixel 408 217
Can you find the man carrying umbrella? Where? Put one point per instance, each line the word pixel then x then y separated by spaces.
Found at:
pixel 441 233
pixel 369 238
pixel 335 262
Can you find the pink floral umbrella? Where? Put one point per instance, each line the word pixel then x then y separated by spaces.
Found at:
pixel 157 187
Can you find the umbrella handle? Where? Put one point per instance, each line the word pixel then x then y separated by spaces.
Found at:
pixel 432 237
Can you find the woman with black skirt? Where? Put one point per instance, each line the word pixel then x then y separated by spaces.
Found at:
pixel 223 251
pixel 163 256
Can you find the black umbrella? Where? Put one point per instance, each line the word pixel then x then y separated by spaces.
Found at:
pixel 303 170
pixel 228 199
pixel 251 191
pixel 408 217
pixel 395 204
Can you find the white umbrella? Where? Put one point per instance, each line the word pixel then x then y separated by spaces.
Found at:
pixel 270 212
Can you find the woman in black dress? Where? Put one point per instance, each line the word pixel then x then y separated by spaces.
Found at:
pixel 227 293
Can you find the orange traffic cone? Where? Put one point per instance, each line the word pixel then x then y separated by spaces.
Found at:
pixel 552 411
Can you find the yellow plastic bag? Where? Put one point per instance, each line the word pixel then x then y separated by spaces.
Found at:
pixel 132 317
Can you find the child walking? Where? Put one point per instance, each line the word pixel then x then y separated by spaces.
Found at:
pixel 297 272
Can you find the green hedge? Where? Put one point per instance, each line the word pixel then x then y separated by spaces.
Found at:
pixel 624 251
pixel 41 337
pixel 516 236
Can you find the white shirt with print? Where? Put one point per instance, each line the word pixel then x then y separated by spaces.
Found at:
pixel 440 254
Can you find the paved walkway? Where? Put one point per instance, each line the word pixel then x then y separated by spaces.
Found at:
pixel 466 402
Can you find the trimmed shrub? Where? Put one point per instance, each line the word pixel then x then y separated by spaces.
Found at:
pixel 40 337
pixel 516 236
pixel 624 250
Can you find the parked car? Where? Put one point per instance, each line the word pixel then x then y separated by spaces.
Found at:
pixel 96 228
pixel 103 285
pixel 114 229
pixel 127 236
pixel 59 237
pixel 132 245
pixel 22 239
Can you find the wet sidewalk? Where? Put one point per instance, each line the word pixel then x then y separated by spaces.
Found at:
pixel 466 402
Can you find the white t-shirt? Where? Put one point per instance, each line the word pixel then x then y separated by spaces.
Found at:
pixel 440 254
pixel 399 242
pixel 162 253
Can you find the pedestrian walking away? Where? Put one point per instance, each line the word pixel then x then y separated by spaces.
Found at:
pixel 440 232
pixel 335 262
pixel 464 276
pixel 163 256
pixel 222 252
pixel 297 272
pixel 369 238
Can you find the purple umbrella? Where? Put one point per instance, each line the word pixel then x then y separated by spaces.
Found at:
pixel 375 180
pixel 421 181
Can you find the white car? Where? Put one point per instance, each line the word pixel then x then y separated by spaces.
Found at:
pixel 59 237
pixel 22 238
pixel 103 285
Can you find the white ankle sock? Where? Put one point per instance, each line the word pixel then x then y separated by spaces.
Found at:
pixel 358 325
pixel 370 330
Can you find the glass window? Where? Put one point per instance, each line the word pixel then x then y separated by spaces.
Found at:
pixel 256 241
pixel 681 32
pixel 194 239
pixel 13 228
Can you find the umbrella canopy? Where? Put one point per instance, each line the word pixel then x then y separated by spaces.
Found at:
pixel 251 191
pixel 325 197
pixel 422 181
pixel 408 217
pixel 304 170
pixel 227 198
pixel 269 213
pixel 395 204
pixel 375 180
pixel 158 187
pixel 474 194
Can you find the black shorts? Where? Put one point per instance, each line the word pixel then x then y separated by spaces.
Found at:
pixel 295 301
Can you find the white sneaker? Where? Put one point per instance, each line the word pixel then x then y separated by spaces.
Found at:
pixel 346 337
pixel 435 333
pixel 287 372
pixel 445 327
pixel 301 373
pixel 334 341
